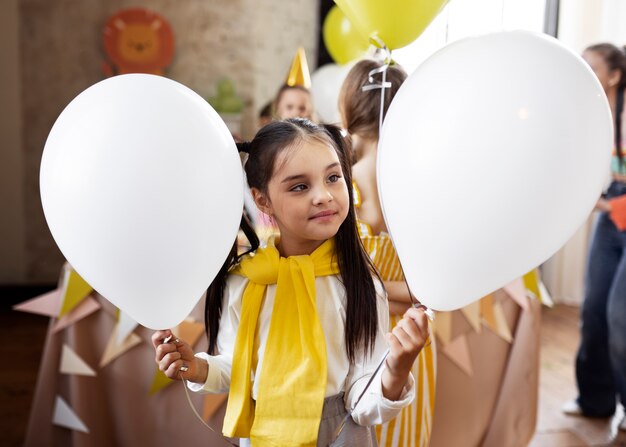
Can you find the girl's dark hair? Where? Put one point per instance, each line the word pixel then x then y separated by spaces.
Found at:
pixel 615 59
pixel 354 264
pixel 360 110
pixel 215 292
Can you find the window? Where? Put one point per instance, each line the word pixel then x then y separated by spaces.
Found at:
pixel 464 18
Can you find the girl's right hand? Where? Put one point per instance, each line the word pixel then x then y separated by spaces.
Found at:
pixel 176 354
pixel 603 205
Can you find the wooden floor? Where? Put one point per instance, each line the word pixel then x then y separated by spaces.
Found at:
pixel 24 337
pixel 559 341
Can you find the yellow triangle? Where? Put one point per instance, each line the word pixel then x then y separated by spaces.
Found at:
pixel 159 382
pixel 190 331
pixel 443 326
pixel 531 281
pixel 299 71
pixel 76 290
pixel 486 311
pixel 502 327
pixel 114 349
pixel 472 314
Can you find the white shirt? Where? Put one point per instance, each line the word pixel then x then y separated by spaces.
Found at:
pixel 373 409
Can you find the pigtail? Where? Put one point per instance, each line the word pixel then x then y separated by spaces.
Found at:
pixel 356 267
pixel 243 146
pixel 215 293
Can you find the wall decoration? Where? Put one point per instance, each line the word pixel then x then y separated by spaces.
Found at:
pixel 137 40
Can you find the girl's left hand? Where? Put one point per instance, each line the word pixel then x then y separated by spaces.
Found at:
pixel 406 340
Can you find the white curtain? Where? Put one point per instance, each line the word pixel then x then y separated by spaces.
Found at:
pixel 581 23
pixel 564 273
pixel 464 18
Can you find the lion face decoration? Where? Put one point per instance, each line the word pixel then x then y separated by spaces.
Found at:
pixel 138 41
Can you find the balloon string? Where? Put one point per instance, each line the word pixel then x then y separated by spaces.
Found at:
pixel 415 303
pixel 193 408
pixel 431 316
pixel 373 85
pixel 382 86
pixel 367 385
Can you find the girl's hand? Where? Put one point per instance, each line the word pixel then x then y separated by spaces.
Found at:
pixel 176 358
pixel 603 205
pixel 406 340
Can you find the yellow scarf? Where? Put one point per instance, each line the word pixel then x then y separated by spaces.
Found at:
pixel 292 383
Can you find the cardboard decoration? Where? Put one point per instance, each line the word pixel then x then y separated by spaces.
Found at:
pixel 159 381
pixel 472 314
pixel 75 289
pixel 458 351
pixel 502 326
pixel 64 416
pixel 443 326
pixel 137 40
pixel 125 325
pixel 517 290
pixel 115 349
pixel 86 307
pixel 486 312
pixel 72 363
pixel 47 304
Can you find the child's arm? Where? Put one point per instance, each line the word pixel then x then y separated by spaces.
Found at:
pixel 406 340
pixel 176 358
pixel 375 408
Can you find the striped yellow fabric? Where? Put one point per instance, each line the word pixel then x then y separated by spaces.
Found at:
pixel 413 426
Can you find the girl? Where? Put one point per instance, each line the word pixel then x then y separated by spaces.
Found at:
pixel 601 356
pixel 360 112
pixel 293 101
pixel 297 329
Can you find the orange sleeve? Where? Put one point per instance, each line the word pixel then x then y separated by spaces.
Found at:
pixel 618 212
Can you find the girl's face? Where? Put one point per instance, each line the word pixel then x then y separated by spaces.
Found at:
pixel 307 196
pixel 608 78
pixel 294 103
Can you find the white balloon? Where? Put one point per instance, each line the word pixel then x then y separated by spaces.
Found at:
pixel 142 189
pixel 326 84
pixel 493 153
